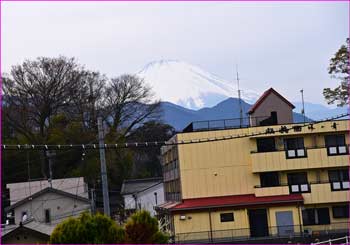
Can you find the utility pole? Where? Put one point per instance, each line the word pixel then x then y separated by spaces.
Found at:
pixel 302 99
pixel 92 193
pixel 50 154
pixel 239 101
pixel 106 209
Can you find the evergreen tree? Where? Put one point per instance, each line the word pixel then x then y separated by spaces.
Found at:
pixel 339 69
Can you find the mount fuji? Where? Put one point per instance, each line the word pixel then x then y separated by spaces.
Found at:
pixel 190 86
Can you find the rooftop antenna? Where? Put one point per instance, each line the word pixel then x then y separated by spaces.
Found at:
pixel 302 99
pixel 239 100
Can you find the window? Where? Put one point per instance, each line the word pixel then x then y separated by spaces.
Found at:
pixel 336 144
pixel 339 179
pixel 226 217
pixel 316 216
pixel 269 179
pixel 47 216
pixel 341 211
pixel 298 183
pixel 294 147
pixel 266 144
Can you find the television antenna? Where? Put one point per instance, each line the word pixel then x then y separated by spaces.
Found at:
pixel 239 100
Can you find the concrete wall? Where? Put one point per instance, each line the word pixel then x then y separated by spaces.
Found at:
pixel 273 103
pixel 60 207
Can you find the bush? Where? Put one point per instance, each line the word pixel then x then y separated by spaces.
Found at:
pixel 143 228
pixel 88 229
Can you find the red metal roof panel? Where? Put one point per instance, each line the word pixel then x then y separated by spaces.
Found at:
pixel 236 200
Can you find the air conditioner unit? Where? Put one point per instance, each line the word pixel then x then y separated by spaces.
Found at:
pixel 182 217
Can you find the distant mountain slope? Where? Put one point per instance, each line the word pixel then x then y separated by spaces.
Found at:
pixel 180 117
pixel 318 112
pixel 189 86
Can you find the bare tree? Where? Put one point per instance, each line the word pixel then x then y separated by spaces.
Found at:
pixel 129 102
pixel 88 100
pixel 37 90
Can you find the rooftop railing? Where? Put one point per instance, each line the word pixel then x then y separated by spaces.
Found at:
pixel 232 123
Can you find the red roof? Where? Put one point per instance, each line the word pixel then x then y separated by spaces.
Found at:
pixel 237 200
pixel 264 96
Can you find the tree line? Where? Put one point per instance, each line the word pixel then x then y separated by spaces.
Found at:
pixel 57 101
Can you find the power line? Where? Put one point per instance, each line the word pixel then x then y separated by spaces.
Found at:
pixel 268 131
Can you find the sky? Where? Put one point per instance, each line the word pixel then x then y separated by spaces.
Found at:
pixel 285 45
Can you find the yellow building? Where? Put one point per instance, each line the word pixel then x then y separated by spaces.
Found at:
pixel 266 177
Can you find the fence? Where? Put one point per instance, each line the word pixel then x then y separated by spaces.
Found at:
pixel 274 232
pixel 330 241
pixel 224 124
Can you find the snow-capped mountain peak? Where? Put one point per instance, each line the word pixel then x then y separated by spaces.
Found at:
pixel 188 85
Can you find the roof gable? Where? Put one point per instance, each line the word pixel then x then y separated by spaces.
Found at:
pixel 266 95
pixel 42 192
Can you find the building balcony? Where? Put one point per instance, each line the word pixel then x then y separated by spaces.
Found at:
pixel 325 193
pixel 313 193
pixel 306 158
pixel 271 191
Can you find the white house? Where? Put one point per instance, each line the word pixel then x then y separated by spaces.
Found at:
pixel 35 216
pixel 142 194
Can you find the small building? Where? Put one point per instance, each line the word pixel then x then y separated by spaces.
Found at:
pixel 36 216
pixel 28 232
pixel 142 194
pixel 271 109
pixel 261 183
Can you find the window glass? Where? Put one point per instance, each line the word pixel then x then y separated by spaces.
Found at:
pixel 266 144
pixel 335 140
pixel 297 178
pixel 338 175
pixel 47 216
pixel 269 179
pixel 308 216
pixel 294 143
pixel 323 216
pixel 341 211
pixel 316 216
pixel 226 217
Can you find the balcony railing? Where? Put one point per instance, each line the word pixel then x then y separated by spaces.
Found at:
pixel 273 232
pixel 315 157
pixel 325 188
pixel 232 123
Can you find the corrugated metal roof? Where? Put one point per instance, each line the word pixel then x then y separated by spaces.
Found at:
pixel 21 190
pixel 133 186
pixel 236 200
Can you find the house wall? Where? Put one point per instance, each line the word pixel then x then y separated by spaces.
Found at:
pixel 146 199
pixel 215 168
pixel 198 223
pixel 273 103
pixel 60 207
pixel 129 202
